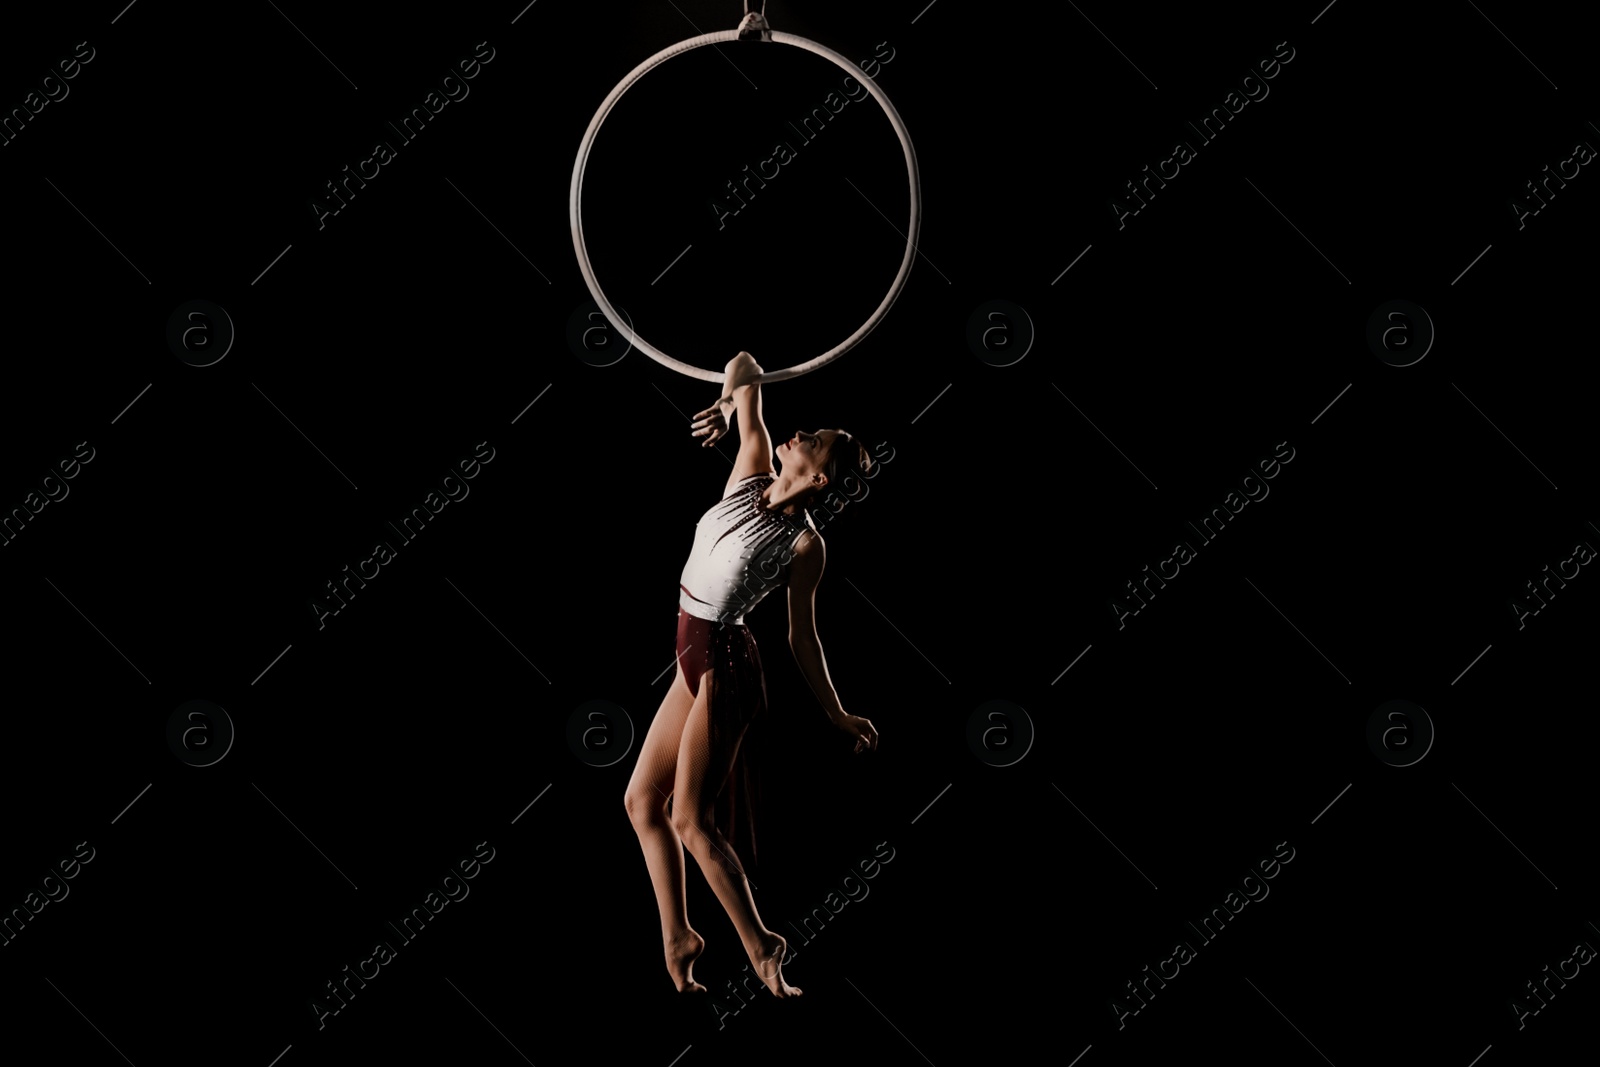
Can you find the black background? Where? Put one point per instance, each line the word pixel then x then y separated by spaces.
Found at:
pixel 381 348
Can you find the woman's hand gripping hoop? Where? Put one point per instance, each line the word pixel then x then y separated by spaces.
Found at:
pixel 712 423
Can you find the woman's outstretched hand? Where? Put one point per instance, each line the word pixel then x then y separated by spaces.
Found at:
pixel 862 730
pixel 712 423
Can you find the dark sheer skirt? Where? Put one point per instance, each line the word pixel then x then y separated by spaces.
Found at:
pixel 737 698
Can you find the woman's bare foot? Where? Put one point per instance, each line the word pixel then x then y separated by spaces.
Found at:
pixel 681 954
pixel 768 964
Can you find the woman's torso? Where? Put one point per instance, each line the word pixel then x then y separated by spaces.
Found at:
pixel 740 553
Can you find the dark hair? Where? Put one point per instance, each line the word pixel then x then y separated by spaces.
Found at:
pixel 847 458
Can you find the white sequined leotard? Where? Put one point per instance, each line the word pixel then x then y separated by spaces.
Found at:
pixel 740 549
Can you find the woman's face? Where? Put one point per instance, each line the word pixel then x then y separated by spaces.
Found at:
pixel 806 453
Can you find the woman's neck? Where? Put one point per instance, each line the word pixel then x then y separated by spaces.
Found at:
pixel 783 496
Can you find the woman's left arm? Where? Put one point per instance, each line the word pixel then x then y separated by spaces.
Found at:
pixel 742 398
pixel 805 572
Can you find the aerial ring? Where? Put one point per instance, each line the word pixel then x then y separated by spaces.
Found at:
pixel 575 206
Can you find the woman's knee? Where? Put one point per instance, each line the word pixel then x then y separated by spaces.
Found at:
pixel 645 807
pixel 694 827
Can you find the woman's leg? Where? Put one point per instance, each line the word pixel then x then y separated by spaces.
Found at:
pixel 646 801
pixel 700 774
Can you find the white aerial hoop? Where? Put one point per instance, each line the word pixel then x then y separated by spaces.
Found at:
pixel 754 27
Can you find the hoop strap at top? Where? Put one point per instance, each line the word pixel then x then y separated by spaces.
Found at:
pixel 754 26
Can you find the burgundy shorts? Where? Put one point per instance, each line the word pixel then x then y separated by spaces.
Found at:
pixel 698 643
pixel 728 650
pixel 694 636
pixel 737 697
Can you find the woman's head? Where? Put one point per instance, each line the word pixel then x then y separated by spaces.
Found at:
pixel 824 459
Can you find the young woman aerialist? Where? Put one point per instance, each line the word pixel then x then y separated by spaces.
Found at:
pixel 684 789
